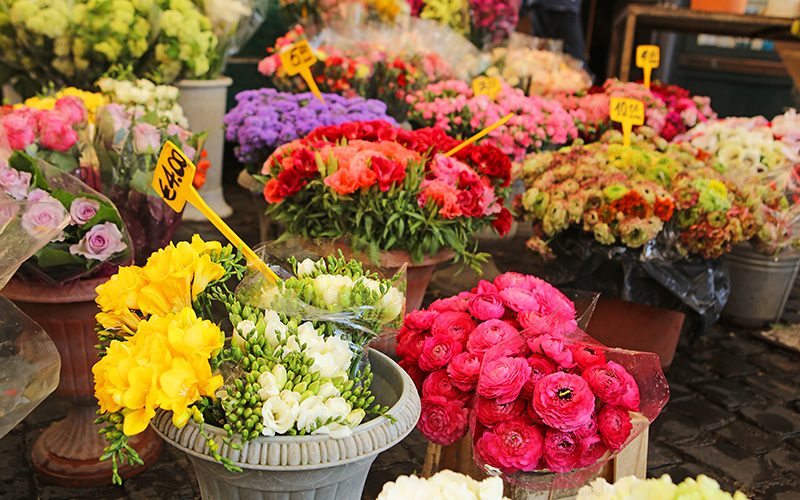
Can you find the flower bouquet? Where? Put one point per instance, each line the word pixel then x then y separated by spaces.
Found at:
pixel 485 23
pixel 142 96
pixel 536 124
pixel 443 484
pixel 295 372
pixel 631 487
pixel 264 119
pixel 538 395
pixel 392 188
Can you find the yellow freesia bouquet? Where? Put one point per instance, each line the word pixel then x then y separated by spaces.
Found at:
pixel 278 374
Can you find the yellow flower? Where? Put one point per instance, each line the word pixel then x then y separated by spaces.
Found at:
pixel 125 320
pixel 202 247
pixel 205 271
pixel 117 296
pixel 718 188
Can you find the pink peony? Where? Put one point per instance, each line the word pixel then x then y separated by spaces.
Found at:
pixel 454 324
pixel 464 369
pixel 586 355
pixel 437 351
pixel 614 425
pixel 420 320
pixel 409 344
pixel 541 366
pixel 20 128
pixel 146 138
pixel 81 210
pixel 438 383
pixel 54 132
pixel 486 306
pixel 100 242
pixel 511 446
pixel 488 334
pixel 14 182
pixel 562 450
pixel 519 300
pixel 443 421
pixel 612 383
pixel 490 413
pixel 593 450
pixel 553 347
pixel 563 401
pixel 503 378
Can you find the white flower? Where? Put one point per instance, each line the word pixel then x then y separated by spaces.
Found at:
pixel 394 301
pixel 311 409
pixel 356 416
pixel 242 332
pixel 305 268
pixel 340 350
pixel 290 397
pixel 328 390
pixel 444 485
pixel 269 386
pixel 338 407
pixel 326 364
pixel 306 334
pixel 278 416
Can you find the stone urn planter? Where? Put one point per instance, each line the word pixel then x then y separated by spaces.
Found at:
pixel 313 467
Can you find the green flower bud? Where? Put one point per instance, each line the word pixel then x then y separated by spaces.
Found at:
pixel 301 387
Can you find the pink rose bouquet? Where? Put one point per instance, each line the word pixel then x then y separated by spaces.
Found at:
pixel 543 398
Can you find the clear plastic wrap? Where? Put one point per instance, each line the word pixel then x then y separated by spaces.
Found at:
pixel 590 386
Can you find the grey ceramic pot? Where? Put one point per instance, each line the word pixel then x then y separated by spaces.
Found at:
pixel 302 467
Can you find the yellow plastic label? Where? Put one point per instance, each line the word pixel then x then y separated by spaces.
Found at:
pixel 628 112
pixel 647 58
pixel 484 85
pixel 173 177
pixel 479 135
pixel 299 58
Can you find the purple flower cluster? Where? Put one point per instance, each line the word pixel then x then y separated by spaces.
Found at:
pixel 264 119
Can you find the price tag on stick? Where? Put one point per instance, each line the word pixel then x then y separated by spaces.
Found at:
pixel 172 180
pixel 484 85
pixel 479 135
pixel 628 112
pixel 299 58
pixel 647 58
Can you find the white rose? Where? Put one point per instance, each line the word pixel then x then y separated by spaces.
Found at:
pixel 328 390
pixel 394 301
pixel 311 409
pixel 278 416
pixel 305 268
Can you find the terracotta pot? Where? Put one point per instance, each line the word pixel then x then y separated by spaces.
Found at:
pixel 730 6
pixel 623 324
pixel 67 453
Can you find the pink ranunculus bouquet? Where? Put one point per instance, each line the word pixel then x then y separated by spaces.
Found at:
pixel 507 362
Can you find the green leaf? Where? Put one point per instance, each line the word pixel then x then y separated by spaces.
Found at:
pixel 25 163
pixel 62 160
pixel 142 182
pixel 51 257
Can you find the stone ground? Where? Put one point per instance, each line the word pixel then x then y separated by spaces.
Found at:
pixel 734 411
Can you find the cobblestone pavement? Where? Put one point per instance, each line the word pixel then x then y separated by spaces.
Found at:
pixel 734 411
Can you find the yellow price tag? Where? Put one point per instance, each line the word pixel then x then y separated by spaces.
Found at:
pixel 647 58
pixel 298 58
pixel 484 85
pixel 172 180
pixel 628 112
pixel 479 135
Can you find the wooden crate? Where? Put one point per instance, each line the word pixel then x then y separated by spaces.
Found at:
pixel 631 461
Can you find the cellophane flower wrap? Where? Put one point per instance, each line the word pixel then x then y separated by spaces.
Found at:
pixel 390 187
pixel 359 68
pixel 264 119
pixel 537 123
pixel 662 487
pixel 443 484
pixel 295 363
pixel 127 144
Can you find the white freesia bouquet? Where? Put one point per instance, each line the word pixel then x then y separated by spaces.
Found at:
pixel 443 485
pixel 632 488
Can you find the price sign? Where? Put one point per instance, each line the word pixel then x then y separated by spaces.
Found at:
pixel 299 58
pixel 628 112
pixel 172 180
pixel 647 58
pixel 484 85
pixel 479 135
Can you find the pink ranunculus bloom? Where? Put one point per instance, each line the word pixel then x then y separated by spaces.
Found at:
pixel 146 138
pixel 438 383
pixel 562 450
pixel 20 128
pixel 554 347
pixel 485 287
pixel 455 324
pixel 612 383
pixel 593 450
pixel 564 401
pixel 72 109
pixel 488 334
pixel 485 306
pixel 100 242
pixel 415 372
pixel 586 355
pixel 454 303
pixel 81 210
pixel 443 421
pixel 420 320
pixel 513 280
pixel 614 425
pixel 512 445
pixel 588 429
pixel 54 132
pixel 490 413
pixel 503 378
pixel 519 300
pixel 437 351
pixel 409 344
pixel 541 366
pixel 464 369
pixel 14 182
